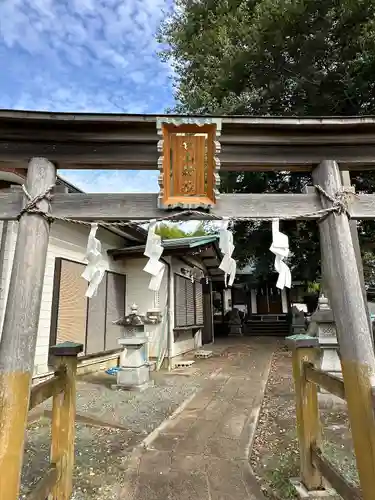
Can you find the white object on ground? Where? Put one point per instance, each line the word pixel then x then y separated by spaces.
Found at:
pixel 203 354
pixel 183 364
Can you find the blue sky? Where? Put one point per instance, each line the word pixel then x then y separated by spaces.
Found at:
pixel 89 56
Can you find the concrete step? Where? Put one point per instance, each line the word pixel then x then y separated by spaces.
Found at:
pixel 266 328
pixel 183 363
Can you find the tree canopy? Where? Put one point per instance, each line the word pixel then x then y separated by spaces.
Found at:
pixel 274 57
pixel 171 230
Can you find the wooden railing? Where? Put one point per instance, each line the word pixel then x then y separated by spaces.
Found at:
pixel 316 470
pixel 58 478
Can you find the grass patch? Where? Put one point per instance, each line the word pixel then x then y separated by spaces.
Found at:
pixel 279 477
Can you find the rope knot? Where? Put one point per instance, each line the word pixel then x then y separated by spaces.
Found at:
pixel 341 201
pixel 31 206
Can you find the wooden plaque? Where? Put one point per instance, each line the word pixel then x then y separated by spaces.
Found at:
pixel 188 163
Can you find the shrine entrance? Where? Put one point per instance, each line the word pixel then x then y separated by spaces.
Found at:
pixel 265 307
pixel 269 300
pixel 189 189
pixel 268 312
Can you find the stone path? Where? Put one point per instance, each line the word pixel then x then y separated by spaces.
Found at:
pixel 203 452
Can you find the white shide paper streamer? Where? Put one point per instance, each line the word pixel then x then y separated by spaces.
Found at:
pixel 153 251
pixel 280 247
pixel 228 264
pixel 95 268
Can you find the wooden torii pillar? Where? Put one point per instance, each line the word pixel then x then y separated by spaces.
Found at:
pixel 346 182
pixel 352 322
pixel 20 330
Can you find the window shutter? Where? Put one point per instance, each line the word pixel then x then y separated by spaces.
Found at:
pixel 199 303
pixel 76 318
pixel 190 305
pixel 180 300
pixel 188 302
pixel 72 305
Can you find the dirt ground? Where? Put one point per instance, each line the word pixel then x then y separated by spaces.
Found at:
pixel 101 453
pixel 275 455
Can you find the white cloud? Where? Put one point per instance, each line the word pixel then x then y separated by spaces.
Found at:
pixel 113 181
pixel 86 56
pixel 93 49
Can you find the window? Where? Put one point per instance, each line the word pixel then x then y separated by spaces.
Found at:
pixel 188 302
pixel 76 318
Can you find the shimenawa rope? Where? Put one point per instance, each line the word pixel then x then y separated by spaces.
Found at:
pixel 340 205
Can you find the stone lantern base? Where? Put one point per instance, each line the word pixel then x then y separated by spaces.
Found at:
pixel 134 379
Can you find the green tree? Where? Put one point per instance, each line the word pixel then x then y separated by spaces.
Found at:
pixel 274 57
pixel 169 231
pixel 172 230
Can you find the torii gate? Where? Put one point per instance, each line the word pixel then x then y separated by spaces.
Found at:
pixel 46 141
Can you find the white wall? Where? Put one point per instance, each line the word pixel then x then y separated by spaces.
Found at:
pixel 67 241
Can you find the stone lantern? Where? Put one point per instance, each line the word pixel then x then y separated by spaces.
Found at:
pixel 134 370
pixel 323 326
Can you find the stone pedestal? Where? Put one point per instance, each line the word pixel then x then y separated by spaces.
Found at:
pixel 235 330
pixel 235 322
pixel 298 322
pixel 134 351
pixel 134 370
pixel 133 378
pixel 327 494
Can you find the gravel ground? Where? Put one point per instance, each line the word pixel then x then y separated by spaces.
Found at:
pixel 102 453
pixel 275 454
